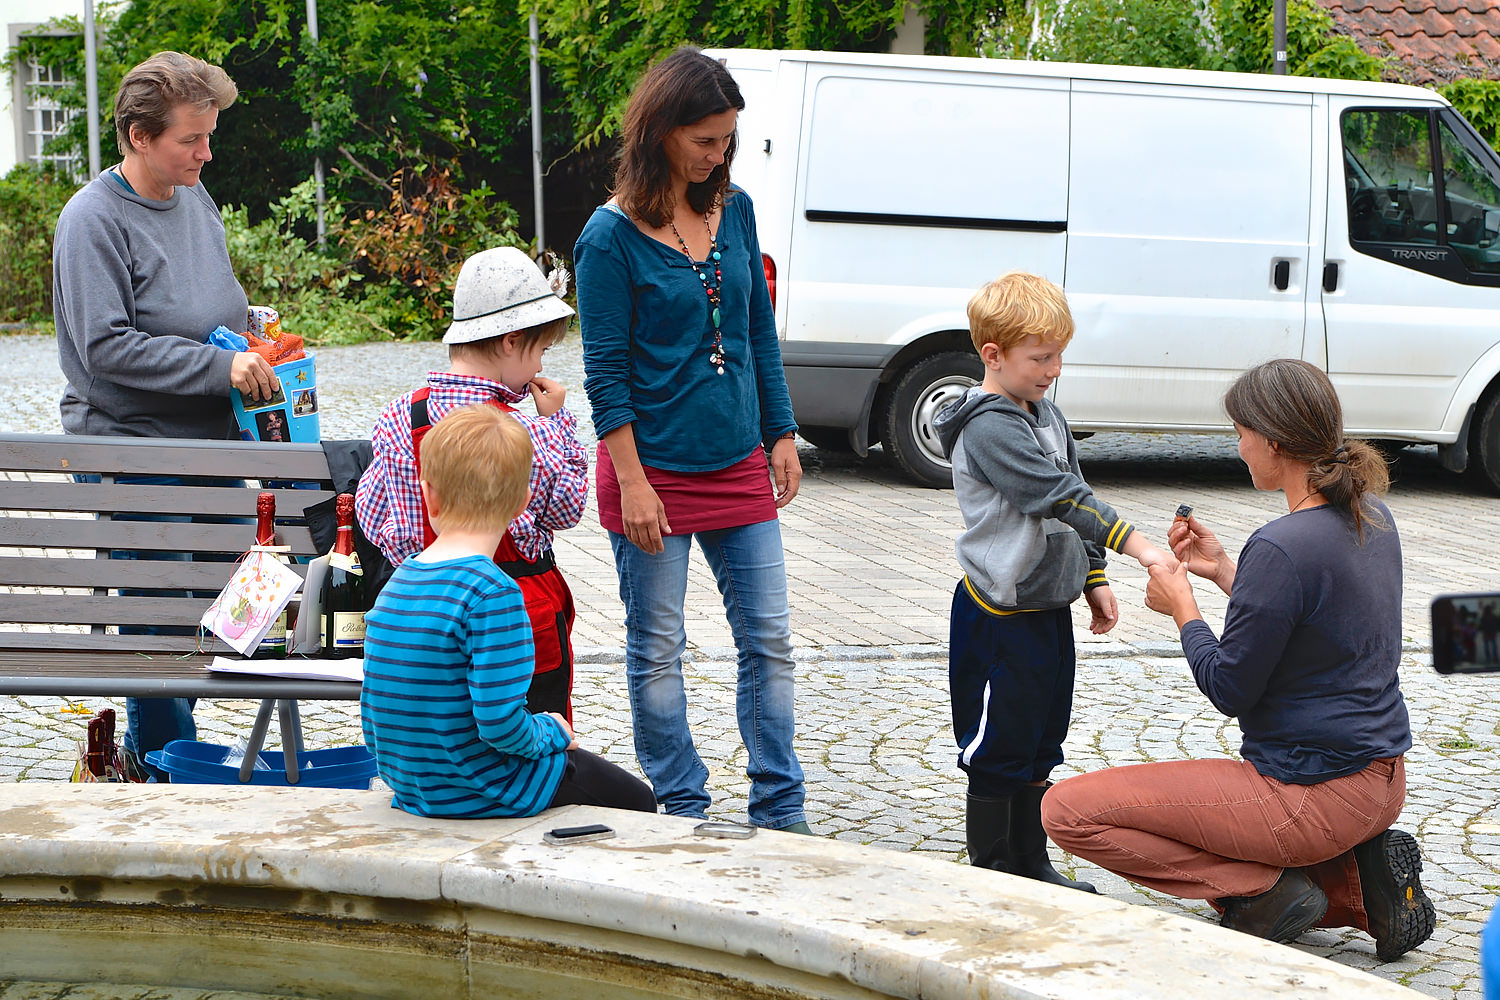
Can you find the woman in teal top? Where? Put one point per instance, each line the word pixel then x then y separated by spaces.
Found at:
pixel 683 374
pixel 643 370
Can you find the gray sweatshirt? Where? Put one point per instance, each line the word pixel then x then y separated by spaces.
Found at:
pixel 1034 533
pixel 138 285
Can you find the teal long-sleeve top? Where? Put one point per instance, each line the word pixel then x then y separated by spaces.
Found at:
pixel 647 337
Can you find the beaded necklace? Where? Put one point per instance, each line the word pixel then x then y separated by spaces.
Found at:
pixel 716 352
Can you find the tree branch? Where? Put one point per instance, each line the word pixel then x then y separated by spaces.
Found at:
pixel 366 170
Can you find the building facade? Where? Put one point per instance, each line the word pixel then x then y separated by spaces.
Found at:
pixel 31 115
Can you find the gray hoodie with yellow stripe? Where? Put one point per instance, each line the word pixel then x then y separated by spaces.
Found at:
pixel 1035 534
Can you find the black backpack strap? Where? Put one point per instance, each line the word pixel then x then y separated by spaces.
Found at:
pixel 347 461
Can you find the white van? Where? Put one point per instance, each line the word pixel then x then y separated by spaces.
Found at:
pixel 1200 222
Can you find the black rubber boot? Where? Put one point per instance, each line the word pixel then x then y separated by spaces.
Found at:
pixel 987 825
pixel 1400 914
pixel 1279 914
pixel 1028 841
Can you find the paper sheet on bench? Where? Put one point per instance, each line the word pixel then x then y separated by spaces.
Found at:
pixel 307 670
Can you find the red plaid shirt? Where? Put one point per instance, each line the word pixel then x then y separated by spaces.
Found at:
pixel 389 504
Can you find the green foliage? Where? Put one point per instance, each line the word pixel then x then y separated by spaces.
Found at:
pixel 1132 32
pixel 419 242
pixel 30 201
pixel 1479 102
pixel 596 50
pixel 385 273
pixel 422 91
pixel 1247 41
pixel 280 265
pixel 962 27
pixel 396 83
pixel 390 83
pixel 1233 35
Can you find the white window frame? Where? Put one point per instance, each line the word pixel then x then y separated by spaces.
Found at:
pixel 31 104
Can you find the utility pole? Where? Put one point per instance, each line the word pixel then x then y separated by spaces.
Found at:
pixel 91 86
pixel 536 138
pixel 1280 43
pixel 312 32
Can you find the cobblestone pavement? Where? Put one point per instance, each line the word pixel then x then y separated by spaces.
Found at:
pixel 871 574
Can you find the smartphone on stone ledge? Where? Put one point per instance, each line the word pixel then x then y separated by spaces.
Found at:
pixel 1466 633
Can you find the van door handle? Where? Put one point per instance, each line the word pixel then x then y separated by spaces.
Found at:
pixel 1331 276
pixel 1281 275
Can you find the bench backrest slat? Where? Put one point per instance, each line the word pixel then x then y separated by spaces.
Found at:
pixel 148 536
pixel 74 454
pixel 100 642
pixel 84 609
pixel 61 494
pixel 109 574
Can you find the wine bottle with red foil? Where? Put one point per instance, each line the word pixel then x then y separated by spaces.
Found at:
pixel 273 644
pixel 344 589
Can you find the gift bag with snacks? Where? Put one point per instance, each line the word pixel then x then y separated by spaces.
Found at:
pixel 291 413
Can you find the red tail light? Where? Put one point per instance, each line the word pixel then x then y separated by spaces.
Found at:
pixel 770 266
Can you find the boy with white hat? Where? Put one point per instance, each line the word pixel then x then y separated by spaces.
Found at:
pixel 505 315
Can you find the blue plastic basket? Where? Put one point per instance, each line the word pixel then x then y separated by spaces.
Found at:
pixel 203 764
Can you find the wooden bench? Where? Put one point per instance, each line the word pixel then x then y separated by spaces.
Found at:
pixel 60 610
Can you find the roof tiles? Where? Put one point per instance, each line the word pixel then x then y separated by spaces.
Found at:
pixel 1430 41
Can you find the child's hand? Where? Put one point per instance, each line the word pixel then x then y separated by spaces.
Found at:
pixel 572 740
pixel 547 394
pixel 1106 610
pixel 1153 556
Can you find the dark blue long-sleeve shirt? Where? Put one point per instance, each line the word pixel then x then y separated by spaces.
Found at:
pixel 1312 639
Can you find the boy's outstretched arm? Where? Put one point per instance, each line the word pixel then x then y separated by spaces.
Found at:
pixel 1148 555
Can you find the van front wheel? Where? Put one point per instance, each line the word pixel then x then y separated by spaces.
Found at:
pixel 920 393
pixel 1484 444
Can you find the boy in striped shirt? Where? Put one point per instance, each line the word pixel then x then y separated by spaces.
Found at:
pixel 449 656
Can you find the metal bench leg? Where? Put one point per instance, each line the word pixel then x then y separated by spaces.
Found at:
pixel 257 739
pixel 290 738
pixel 296 727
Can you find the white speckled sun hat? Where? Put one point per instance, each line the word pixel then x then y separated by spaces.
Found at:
pixel 500 291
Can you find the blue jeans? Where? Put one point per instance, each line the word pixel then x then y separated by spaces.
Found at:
pixel 749 565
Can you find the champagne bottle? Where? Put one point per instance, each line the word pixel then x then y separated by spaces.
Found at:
pixel 344 590
pixel 273 644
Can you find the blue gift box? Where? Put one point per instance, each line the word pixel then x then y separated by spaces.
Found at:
pixel 291 414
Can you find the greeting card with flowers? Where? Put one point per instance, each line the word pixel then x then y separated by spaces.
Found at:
pixel 258 590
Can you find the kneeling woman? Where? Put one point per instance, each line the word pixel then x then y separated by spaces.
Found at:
pixel 1297 834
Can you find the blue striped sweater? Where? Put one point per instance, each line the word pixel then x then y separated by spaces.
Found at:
pixel 448 660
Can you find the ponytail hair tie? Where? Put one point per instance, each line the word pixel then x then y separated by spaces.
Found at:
pixel 1341 455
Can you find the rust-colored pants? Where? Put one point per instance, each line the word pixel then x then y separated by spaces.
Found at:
pixel 1206 829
